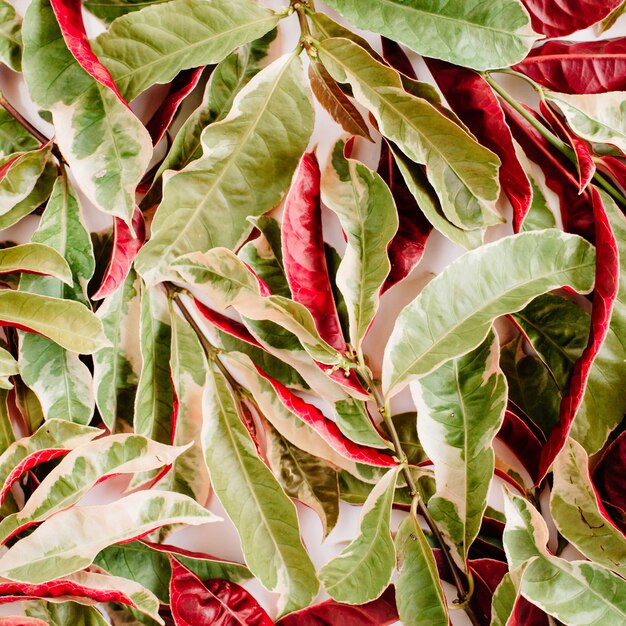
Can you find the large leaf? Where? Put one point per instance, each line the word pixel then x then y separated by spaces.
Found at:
pixel 10 36
pixel 460 408
pixel 70 540
pixel 493 281
pixel 467 33
pixel 270 125
pixel 463 173
pixel 264 516
pixel 153 45
pixel 363 569
pixel 368 217
pixel 35 258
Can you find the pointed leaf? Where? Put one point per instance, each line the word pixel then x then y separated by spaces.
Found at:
pixel 10 37
pixel 35 258
pixel 354 421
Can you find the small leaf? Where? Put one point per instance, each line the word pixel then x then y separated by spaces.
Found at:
pixel 354 421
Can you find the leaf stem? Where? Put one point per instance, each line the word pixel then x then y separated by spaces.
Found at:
pixel 18 117
pixel 301 7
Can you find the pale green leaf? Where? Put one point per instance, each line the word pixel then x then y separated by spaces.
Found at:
pixel 460 408
pixel 469 33
pixel 70 540
pixel 10 36
pixel 108 10
pixel 354 421
pixel 7 437
pixel 8 368
pixel 539 214
pixel 463 173
pixel 246 167
pixel 368 216
pixel 499 278
pixel 65 613
pixel 155 44
pixel 35 258
pixel 13 136
pixel 610 20
pixel 419 594
pixel 363 569
pixel 505 597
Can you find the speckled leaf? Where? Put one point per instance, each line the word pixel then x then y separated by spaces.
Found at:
pixel 264 516
pixel 363 569
pixel 273 110
pixel 10 36
pixel 493 282
pixel 468 33
pixel 463 173
pixel 460 408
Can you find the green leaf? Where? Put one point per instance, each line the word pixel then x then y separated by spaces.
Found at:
pixel 10 36
pixel 70 324
pixel 418 589
pixel 264 516
pixel 363 569
pixel 460 408
pixel 463 173
pixel 153 45
pixel 65 613
pixel 13 136
pixel 7 437
pixel 499 278
pixel 107 148
pixel 8 368
pixel 602 409
pixel 406 427
pixel 354 422
pixel 368 216
pixel 66 542
pixel 82 469
pixel 539 214
pixel 467 33
pixel 505 597
pixel 304 477
pixel 575 507
pixel 35 258
pixel 117 367
pixel 108 10
pixel 245 169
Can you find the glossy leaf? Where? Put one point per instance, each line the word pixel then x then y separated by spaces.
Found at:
pixel 264 516
pixel 35 258
pixel 467 194
pixel 354 421
pixel 464 34
pixel 363 569
pixel 367 213
pixel 10 36
pixel 66 542
pixel 554 259
pixel 153 45
pixel 273 104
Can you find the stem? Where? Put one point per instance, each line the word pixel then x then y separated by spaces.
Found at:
pixel 301 7
pixel 18 117
pixel 464 593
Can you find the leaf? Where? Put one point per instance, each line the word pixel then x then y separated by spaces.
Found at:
pixel 578 67
pixel 468 194
pixel 212 603
pixel 263 515
pixel 66 613
pixel 82 469
pixel 566 17
pixel 460 408
pixel 11 620
pixel 153 45
pixel 10 37
pixel 539 214
pixel 67 543
pixel 368 217
pixel 553 258
pixel 517 435
pixel 35 258
pixel 465 34
pixel 610 20
pixel 510 608
pixel 105 145
pixel 304 477
pixel 273 104
pixel 335 102
pixel 606 478
pixel 363 569
pixel 420 597
pixel 354 421
pixel 380 612
pixel 8 368
pixel 578 513
pixel 595 117
pixel 13 136
pixel 108 10
pixel 473 100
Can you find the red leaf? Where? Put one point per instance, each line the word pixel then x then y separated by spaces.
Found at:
pixel 527 614
pixel 407 246
pixel 397 58
pixel 559 18
pixel 5 168
pixel 126 247
pixel 227 325
pixel 522 441
pixel 70 18
pixel 20 620
pixel 608 477
pixel 214 603
pixel 326 428
pixel 473 100
pixel 578 67
pixel 617 169
pixel 303 252
pixel 488 574
pixel 381 612
pixel 607 284
pixel 180 88
pixel 585 163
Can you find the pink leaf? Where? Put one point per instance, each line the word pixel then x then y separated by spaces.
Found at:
pixel 617 169
pixel 522 441
pixel 381 612
pixel 126 246
pixel 213 603
pixel 605 293
pixel 20 620
pixel 473 100
pixel 180 88
pixel 227 325
pixel 559 18
pixel 578 67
